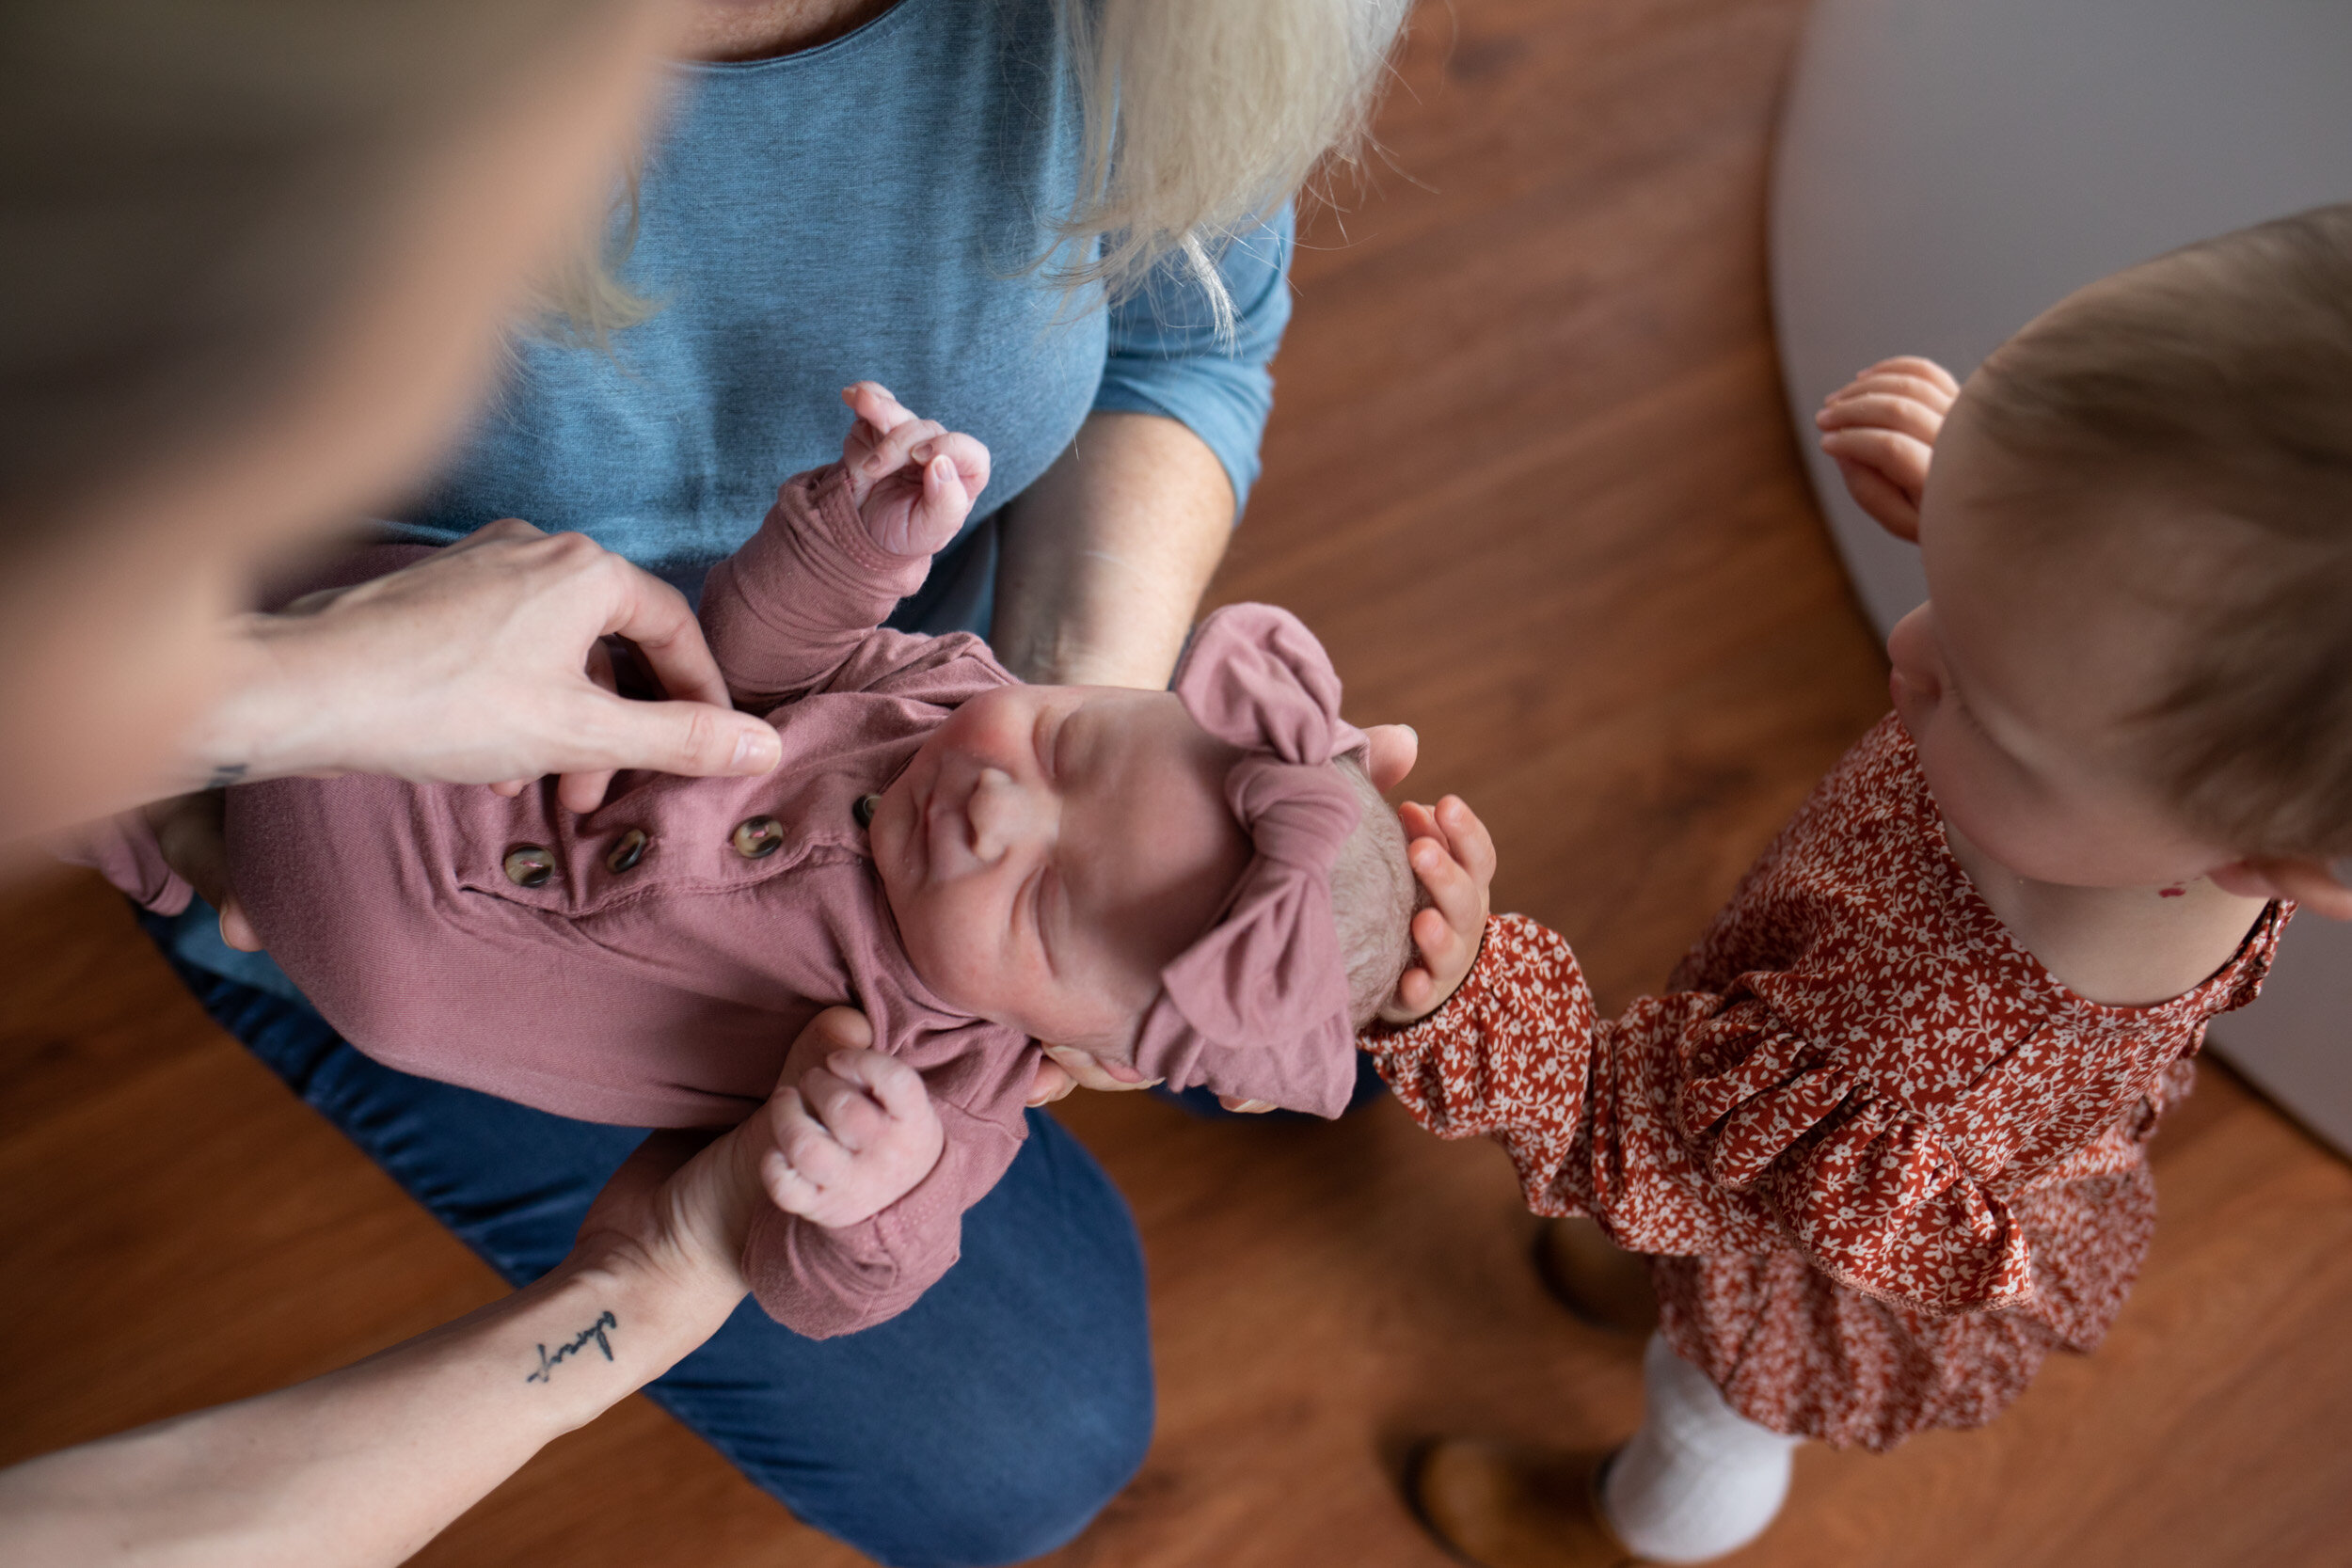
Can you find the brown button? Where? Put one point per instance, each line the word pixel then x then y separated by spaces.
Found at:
pixel 626 852
pixel 863 810
pixel 529 865
pixel 757 837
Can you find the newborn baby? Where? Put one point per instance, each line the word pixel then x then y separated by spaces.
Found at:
pixel 1144 877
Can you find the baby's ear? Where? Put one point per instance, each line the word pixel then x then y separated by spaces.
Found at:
pixel 1394 749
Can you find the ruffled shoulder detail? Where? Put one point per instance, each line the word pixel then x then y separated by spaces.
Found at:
pixel 1869 1191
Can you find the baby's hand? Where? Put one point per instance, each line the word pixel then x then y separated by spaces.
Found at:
pixel 1455 859
pixel 913 480
pixel 1879 429
pixel 852 1139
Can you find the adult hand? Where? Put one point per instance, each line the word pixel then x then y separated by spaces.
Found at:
pixel 472 667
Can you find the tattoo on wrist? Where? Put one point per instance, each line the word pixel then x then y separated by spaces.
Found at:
pixel 226 774
pixel 594 1331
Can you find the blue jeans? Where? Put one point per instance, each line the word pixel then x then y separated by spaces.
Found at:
pixel 987 1424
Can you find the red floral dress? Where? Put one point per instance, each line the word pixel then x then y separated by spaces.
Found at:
pixel 1882 1162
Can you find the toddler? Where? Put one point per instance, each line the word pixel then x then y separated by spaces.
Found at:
pixel 1881 1140
pixel 1144 879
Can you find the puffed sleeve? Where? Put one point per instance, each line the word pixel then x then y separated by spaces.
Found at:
pixel 785 614
pixel 1694 1125
pixel 1167 357
pixel 820 1282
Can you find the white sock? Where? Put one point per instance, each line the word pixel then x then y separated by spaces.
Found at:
pixel 1699 1480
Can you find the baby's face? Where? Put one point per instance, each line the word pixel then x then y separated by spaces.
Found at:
pixel 2018 680
pixel 1051 850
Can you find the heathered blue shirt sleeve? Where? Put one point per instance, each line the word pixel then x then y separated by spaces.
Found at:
pixel 1166 356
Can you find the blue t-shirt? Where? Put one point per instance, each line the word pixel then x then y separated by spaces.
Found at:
pixel 867 209
pixel 874 208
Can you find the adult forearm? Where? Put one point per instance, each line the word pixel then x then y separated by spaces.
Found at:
pixel 1105 556
pixel 365 1464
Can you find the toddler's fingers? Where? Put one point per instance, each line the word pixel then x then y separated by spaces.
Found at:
pixel 1904 460
pixel 1244 1107
pixel 1451 887
pixel 845 1109
pixel 1881 498
pixel 1879 411
pixel 1467 836
pixel 1420 821
pixel 1920 368
pixel 1443 945
pixel 897 1087
pixel 1925 395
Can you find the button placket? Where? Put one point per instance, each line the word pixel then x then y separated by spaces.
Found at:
pixel 627 852
pixel 757 837
pixel 529 865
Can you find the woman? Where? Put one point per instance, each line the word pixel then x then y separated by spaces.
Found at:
pixel 239 307
pixel 924 193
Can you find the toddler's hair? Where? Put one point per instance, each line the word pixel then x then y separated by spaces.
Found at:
pixel 2221 375
pixel 1374 894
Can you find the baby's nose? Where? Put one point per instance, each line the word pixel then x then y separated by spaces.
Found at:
pixel 1005 816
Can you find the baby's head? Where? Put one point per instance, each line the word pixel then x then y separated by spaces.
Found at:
pixel 1200 884
pixel 2135 664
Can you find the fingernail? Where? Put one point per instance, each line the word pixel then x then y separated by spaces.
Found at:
pixel 1414 733
pixel 757 750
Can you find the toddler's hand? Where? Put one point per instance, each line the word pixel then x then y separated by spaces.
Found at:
pixel 1879 429
pixel 855 1136
pixel 1455 859
pixel 913 480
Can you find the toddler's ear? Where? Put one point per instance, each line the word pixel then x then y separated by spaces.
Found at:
pixel 1394 749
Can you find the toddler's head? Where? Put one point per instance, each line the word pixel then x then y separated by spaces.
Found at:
pixel 1200 884
pixel 2135 664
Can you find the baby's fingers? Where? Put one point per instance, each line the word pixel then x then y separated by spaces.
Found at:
pixel 898 1087
pixel 877 406
pixel 844 1108
pixel 1918 367
pixel 805 1145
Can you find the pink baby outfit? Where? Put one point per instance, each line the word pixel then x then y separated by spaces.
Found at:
pixel 650 962
pixel 1881 1162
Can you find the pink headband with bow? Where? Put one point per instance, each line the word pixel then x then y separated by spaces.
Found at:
pixel 1257 1007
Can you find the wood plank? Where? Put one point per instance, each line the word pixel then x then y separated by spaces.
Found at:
pixel 1529 477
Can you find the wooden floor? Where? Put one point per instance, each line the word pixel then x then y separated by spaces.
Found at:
pixel 1531 477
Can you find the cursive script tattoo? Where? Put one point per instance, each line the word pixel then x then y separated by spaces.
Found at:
pixel 594 1331
pixel 225 775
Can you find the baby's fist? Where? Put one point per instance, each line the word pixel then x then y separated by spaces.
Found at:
pixel 913 480
pixel 855 1136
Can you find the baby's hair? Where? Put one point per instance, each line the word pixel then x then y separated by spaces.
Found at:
pixel 2221 375
pixel 1374 894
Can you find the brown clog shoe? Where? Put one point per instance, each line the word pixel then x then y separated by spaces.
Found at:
pixel 1506 1505
pixel 1598 1281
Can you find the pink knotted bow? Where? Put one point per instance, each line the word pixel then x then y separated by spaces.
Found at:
pixel 1257 1007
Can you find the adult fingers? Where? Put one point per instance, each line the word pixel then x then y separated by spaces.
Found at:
pixel 656 616
pixel 1244 1107
pixel 583 792
pixel 1394 749
pixel 1049 1082
pixel 693 739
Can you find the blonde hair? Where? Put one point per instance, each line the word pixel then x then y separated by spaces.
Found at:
pixel 2219 375
pixel 1201 117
